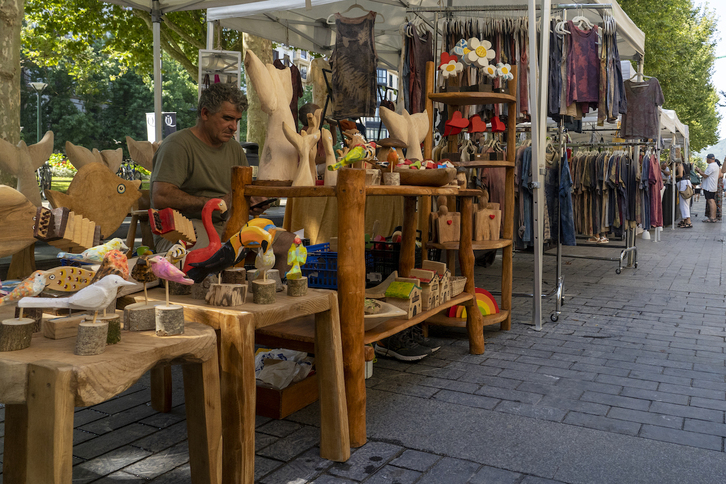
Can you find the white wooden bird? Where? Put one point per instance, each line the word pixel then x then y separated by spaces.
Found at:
pixel 264 261
pixel 94 297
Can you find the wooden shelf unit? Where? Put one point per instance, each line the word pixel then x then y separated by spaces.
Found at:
pixel 351 193
pixel 505 242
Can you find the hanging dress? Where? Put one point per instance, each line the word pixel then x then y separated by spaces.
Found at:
pixel 354 63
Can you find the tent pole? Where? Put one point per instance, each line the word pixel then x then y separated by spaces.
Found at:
pixel 156 22
pixel 210 34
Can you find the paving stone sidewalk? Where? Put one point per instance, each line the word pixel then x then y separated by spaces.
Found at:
pixel 629 385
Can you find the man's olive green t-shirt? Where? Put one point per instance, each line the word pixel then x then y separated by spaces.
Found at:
pixel 196 168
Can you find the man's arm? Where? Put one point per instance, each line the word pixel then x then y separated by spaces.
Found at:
pixel 169 195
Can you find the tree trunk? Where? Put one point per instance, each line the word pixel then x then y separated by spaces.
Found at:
pixel 11 18
pixel 256 119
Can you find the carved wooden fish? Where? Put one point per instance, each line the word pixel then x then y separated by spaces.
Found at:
pixel 98 195
pixel 16 220
pixel 68 279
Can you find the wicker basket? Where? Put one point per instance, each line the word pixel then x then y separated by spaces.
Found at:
pixel 457 285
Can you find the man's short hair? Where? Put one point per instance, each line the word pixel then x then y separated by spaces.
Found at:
pixel 308 108
pixel 217 94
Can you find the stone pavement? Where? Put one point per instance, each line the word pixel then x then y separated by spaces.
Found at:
pixel 628 386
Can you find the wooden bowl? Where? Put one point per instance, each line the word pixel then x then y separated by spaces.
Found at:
pixel 427 178
pixel 385 312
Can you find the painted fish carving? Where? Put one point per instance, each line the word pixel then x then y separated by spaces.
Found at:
pixel 98 195
pixel 68 279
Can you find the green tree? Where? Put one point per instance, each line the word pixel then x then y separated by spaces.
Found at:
pixel 679 51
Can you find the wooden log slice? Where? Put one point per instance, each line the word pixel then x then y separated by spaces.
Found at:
pixel 199 291
pixel 16 333
pixel 176 289
pixel 297 287
pixel 140 317
pixel 36 314
pixel 234 275
pixel 114 328
pixel 91 339
pixel 226 295
pixel 263 292
pixel 391 179
pixel 274 274
pixel 169 320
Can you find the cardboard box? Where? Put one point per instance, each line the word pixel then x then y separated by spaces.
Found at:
pixel 281 403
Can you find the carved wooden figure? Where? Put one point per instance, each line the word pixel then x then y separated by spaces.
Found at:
pixel 331 176
pixel 410 128
pixel 16 220
pixel 22 161
pixel 304 143
pixel 487 220
pixel 65 230
pixel 142 152
pixel 172 225
pixel 98 195
pixel 80 156
pixel 278 160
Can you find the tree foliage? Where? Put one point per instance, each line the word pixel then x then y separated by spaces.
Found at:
pixel 679 51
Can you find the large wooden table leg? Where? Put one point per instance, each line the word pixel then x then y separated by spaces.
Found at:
pixel 351 293
pixel 161 388
pixel 334 436
pixel 239 394
pixel 16 444
pixel 474 321
pixel 50 405
pixel 204 420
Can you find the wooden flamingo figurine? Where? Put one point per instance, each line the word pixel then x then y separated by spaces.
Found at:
pixel 200 255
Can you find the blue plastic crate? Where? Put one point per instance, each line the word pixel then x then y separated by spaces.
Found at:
pixel 321 267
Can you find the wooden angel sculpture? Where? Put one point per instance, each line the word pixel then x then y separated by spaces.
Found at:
pixel 296 257
pixel 80 156
pixel 411 128
pixel 278 160
pixel 22 161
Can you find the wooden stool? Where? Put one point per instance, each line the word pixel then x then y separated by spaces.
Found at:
pixel 42 384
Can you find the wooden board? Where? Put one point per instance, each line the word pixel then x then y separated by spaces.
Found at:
pixel 428 178
pixel 448 227
pixel 16 220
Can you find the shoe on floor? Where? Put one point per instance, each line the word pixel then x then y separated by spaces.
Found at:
pixel 419 338
pixel 594 239
pixel 402 347
pixel 603 240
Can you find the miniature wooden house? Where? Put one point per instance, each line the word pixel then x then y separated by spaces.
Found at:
pixel 406 296
pixel 429 281
pixel 444 277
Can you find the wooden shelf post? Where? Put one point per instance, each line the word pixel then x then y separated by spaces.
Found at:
pixel 351 294
pixel 241 177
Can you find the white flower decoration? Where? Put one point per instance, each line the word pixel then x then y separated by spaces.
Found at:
pixel 490 71
pixel 505 71
pixel 451 69
pixel 461 48
pixel 479 52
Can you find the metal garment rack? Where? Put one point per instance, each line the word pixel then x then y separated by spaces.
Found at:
pixel 629 250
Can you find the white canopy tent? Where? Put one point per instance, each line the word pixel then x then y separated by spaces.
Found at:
pixel 288 22
pixel 158 8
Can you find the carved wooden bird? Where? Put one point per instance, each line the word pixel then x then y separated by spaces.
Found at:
pixel 92 298
pixel 168 271
pixel 114 262
pixel 142 270
pixel 296 257
pixel 32 286
pixel 95 254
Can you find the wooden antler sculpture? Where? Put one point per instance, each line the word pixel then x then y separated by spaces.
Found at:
pixel 23 160
pixel 306 146
pixel 278 160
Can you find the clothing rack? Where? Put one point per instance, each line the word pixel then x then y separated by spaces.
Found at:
pixel 629 249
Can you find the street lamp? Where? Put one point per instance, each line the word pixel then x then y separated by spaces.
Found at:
pixel 38 87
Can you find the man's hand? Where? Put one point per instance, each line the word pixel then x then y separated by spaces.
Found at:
pixel 259 209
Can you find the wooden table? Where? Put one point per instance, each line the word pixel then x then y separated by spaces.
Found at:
pixel 351 193
pixel 42 384
pixel 237 327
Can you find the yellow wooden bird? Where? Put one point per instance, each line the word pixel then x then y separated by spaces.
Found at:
pixel 296 257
